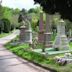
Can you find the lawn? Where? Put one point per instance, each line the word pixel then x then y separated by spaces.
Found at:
pixel 23 50
pixel 4 34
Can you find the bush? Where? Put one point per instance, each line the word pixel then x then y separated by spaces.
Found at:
pixel 7 25
pixel 1 26
pixel 12 27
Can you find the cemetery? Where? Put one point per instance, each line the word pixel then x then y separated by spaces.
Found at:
pixel 44 35
pixel 39 47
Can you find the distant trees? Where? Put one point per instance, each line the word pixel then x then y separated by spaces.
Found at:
pixel 35 13
pixel 8 19
pixel 7 25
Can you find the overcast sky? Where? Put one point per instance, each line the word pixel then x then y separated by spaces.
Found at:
pixel 27 4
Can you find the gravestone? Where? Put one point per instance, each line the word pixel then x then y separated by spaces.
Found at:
pixel 25 29
pixel 41 29
pixel 28 32
pixel 48 33
pixel 61 41
pixel 22 32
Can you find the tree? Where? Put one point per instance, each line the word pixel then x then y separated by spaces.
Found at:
pixel 7 25
pixel 1 26
pixel 1 12
pixel 63 7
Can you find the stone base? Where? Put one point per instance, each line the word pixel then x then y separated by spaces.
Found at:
pixel 61 43
pixel 41 37
pixel 48 44
pixel 22 34
pixel 47 39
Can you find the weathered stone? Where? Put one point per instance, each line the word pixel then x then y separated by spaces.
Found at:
pixel 48 33
pixel 61 41
pixel 22 34
pixel 41 29
pixel 26 32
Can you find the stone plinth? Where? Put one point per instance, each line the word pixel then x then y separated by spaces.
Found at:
pixel 48 33
pixel 28 36
pixel 41 29
pixel 61 41
pixel 48 42
pixel 22 34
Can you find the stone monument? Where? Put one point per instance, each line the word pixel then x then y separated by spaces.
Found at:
pixel 48 33
pixel 22 32
pixel 61 41
pixel 25 30
pixel 41 29
pixel 28 32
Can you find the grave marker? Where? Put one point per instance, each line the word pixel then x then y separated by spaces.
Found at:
pixel 61 41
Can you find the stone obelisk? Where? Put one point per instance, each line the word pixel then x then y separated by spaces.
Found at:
pixel 41 29
pixel 48 33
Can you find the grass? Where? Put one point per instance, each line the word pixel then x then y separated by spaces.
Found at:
pixel 70 45
pixel 23 50
pixel 4 34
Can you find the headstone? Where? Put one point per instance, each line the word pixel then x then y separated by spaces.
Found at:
pixel 48 33
pixel 61 41
pixel 41 29
pixel 29 34
pixel 22 34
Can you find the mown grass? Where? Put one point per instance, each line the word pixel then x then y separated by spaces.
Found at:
pixel 23 50
pixel 4 34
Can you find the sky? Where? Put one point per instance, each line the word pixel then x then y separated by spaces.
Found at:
pixel 27 4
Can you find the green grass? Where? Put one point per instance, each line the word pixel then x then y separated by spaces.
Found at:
pixel 70 45
pixel 23 50
pixel 4 34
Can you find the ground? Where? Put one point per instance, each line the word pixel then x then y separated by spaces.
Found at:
pixel 12 63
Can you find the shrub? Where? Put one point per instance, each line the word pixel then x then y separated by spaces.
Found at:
pixel 1 26
pixel 7 25
pixel 12 27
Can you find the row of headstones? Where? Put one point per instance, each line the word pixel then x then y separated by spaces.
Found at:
pixel 44 37
pixel 61 41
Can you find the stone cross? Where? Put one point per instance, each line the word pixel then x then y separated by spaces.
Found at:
pixel 41 29
pixel 61 41
pixel 48 33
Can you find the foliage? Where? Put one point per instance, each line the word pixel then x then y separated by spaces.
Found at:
pixel 12 27
pixel 63 7
pixel 35 14
pixel 1 26
pixel 4 34
pixel 23 51
pixel 1 12
pixel 11 15
pixel 7 25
